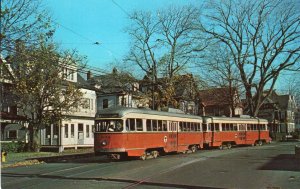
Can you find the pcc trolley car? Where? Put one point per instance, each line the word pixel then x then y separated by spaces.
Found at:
pixel 224 131
pixel 121 132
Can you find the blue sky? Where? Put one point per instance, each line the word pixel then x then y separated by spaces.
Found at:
pixel 81 23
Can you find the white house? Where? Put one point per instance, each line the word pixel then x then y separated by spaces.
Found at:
pixel 118 89
pixel 76 128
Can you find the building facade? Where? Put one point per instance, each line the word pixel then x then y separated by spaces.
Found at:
pixel 117 89
pixel 178 93
pixel 297 119
pixel 223 101
pixel 13 123
pixel 75 130
pixel 281 112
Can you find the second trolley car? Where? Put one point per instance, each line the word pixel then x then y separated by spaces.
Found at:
pixel 224 131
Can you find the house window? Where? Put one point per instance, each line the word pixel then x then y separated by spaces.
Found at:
pixel 12 134
pixel 71 77
pixel 123 101
pixel 105 103
pixel 80 127
pixel 72 130
pixel 93 130
pixel 80 131
pixel 66 131
pixel 87 131
pixel 65 73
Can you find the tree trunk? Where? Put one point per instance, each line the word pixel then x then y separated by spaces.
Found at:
pixel 31 137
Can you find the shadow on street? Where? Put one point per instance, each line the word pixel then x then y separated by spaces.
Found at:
pixel 79 158
pixel 283 162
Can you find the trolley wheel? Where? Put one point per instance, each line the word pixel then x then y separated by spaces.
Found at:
pixel 221 147
pixel 259 143
pixel 154 154
pixel 143 157
pixel 229 145
pixel 193 149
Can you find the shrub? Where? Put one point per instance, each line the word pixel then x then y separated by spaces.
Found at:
pixel 13 146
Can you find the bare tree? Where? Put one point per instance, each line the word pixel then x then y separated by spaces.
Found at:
pixel 23 20
pixel 219 70
pixel 143 33
pixel 180 37
pixel 263 39
pixel 164 43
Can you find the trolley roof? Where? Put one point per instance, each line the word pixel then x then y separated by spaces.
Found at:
pixel 245 119
pixel 123 111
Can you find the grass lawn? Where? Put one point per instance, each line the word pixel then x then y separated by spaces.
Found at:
pixel 20 158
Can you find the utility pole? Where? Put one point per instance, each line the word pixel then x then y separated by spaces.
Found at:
pixel 153 89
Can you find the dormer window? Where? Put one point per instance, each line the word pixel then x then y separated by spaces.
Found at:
pixel 68 74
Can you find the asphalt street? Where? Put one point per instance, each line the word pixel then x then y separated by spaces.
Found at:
pixel 271 166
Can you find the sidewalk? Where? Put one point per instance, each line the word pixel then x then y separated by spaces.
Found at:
pixel 32 158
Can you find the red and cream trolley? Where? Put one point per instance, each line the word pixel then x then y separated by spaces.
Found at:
pixel 224 132
pixel 141 132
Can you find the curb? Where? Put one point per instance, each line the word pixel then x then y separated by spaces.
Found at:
pixel 50 159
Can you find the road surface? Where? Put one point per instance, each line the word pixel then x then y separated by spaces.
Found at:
pixel 271 166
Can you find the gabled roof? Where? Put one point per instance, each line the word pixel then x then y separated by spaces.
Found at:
pixel 182 84
pixel 82 83
pixel 113 82
pixel 215 96
pixel 283 101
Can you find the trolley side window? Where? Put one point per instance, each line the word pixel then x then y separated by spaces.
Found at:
pixel 231 127
pixel 192 126
pixel 204 127
pixel 165 126
pixel 188 126
pixel 139 124
pixel 154 125
pixel 148 125
pixel 172 126
pixel 134 124
pixel 242 127
pixel 130 124
pixel 109 126
pixel 212 126
pixel 224 127
pixel 198 127
pixel 262 127
pixel 249 127
pixel 235 127
pixel 215 127
pixel 159 128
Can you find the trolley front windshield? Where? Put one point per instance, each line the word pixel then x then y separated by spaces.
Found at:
pixel 115 125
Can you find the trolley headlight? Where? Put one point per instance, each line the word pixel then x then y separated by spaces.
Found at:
pixel 103 143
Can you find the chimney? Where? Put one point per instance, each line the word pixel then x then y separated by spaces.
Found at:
pixel 89 75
